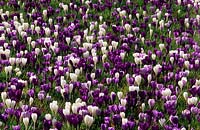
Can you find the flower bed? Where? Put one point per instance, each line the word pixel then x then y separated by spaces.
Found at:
pixel 107 65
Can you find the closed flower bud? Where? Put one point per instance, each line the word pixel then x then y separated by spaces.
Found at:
pixel 143 106
pixel 44 13
pixel 8 103
pixel 31 101
pixel 26 122
pixel 66 111
pixel 122 114
pixel 138 79
pixel 34 117
pixel 192 100
pixel 48 116
pixel 24 61
pixel 138 16
pixel 166 92
pixel 151 102
pixel 179 2
pixel 162 121
pixel 149 78
pixel 73 77
pixel 161 46
pixel 123 102
pixel 67 39
pixel 134 88
pixel 3 96
pixel 88 120
pixel 119 94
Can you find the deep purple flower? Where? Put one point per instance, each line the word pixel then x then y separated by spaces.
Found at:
pixel 74 119
pixel 16 127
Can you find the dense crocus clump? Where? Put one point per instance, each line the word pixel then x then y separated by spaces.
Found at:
pixel 110 65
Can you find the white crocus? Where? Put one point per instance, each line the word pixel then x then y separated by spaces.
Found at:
pixel 185 95
pixel 122 55
pixel 123 102
pixel 23 61
pixel 162 121
pixel 66 111
pixel 48 116
pixel 88 120
pixel 156 68
pixel 138 16
pixel 119 95
pixel 68 39
pixel 151 33
pixel 161 46
pixel 34 118
pixel 3 96
pixel 31 101
pixel 166 92
pixel 8 69
pixel 44 13
pixel 8 103
pixel 179 2
pixel 134 88
pixel 26 122
pixel 192 100
pixel 54 106
pixel 143 106
pixel 138 79
pixel 149 78
pixel 73 77
pixel 124 121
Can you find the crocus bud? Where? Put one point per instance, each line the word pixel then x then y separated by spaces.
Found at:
pixel 26 122
pixel 192 100
pixel 179 2
pixel 119 94
pixel 3 96
pixel 65 7
pixel 8 69
pixel 73 77
pixel 138 16
pixel 122 114
pixel 34 117
pixel 162 121
pixel 8 103
pixel 88 120
pixel 138 79
pixel 153 56
pixel 24 61
pixel 48 116
pixel 100 18
pixel 127 27
pixel 161 46
pixel 13 102
pixel 123 102
pixel 66 111
pixel 149 78
pixel 44 13
pixel 143 106
pixel 92 75
pixel 151 102
pixel 166 92
pixel 54 106
pixel 157 68
pixel 122 55
pixel 151 33
pixel 31 101
pixel 171 60
pixel 187 63
pixel 134 88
